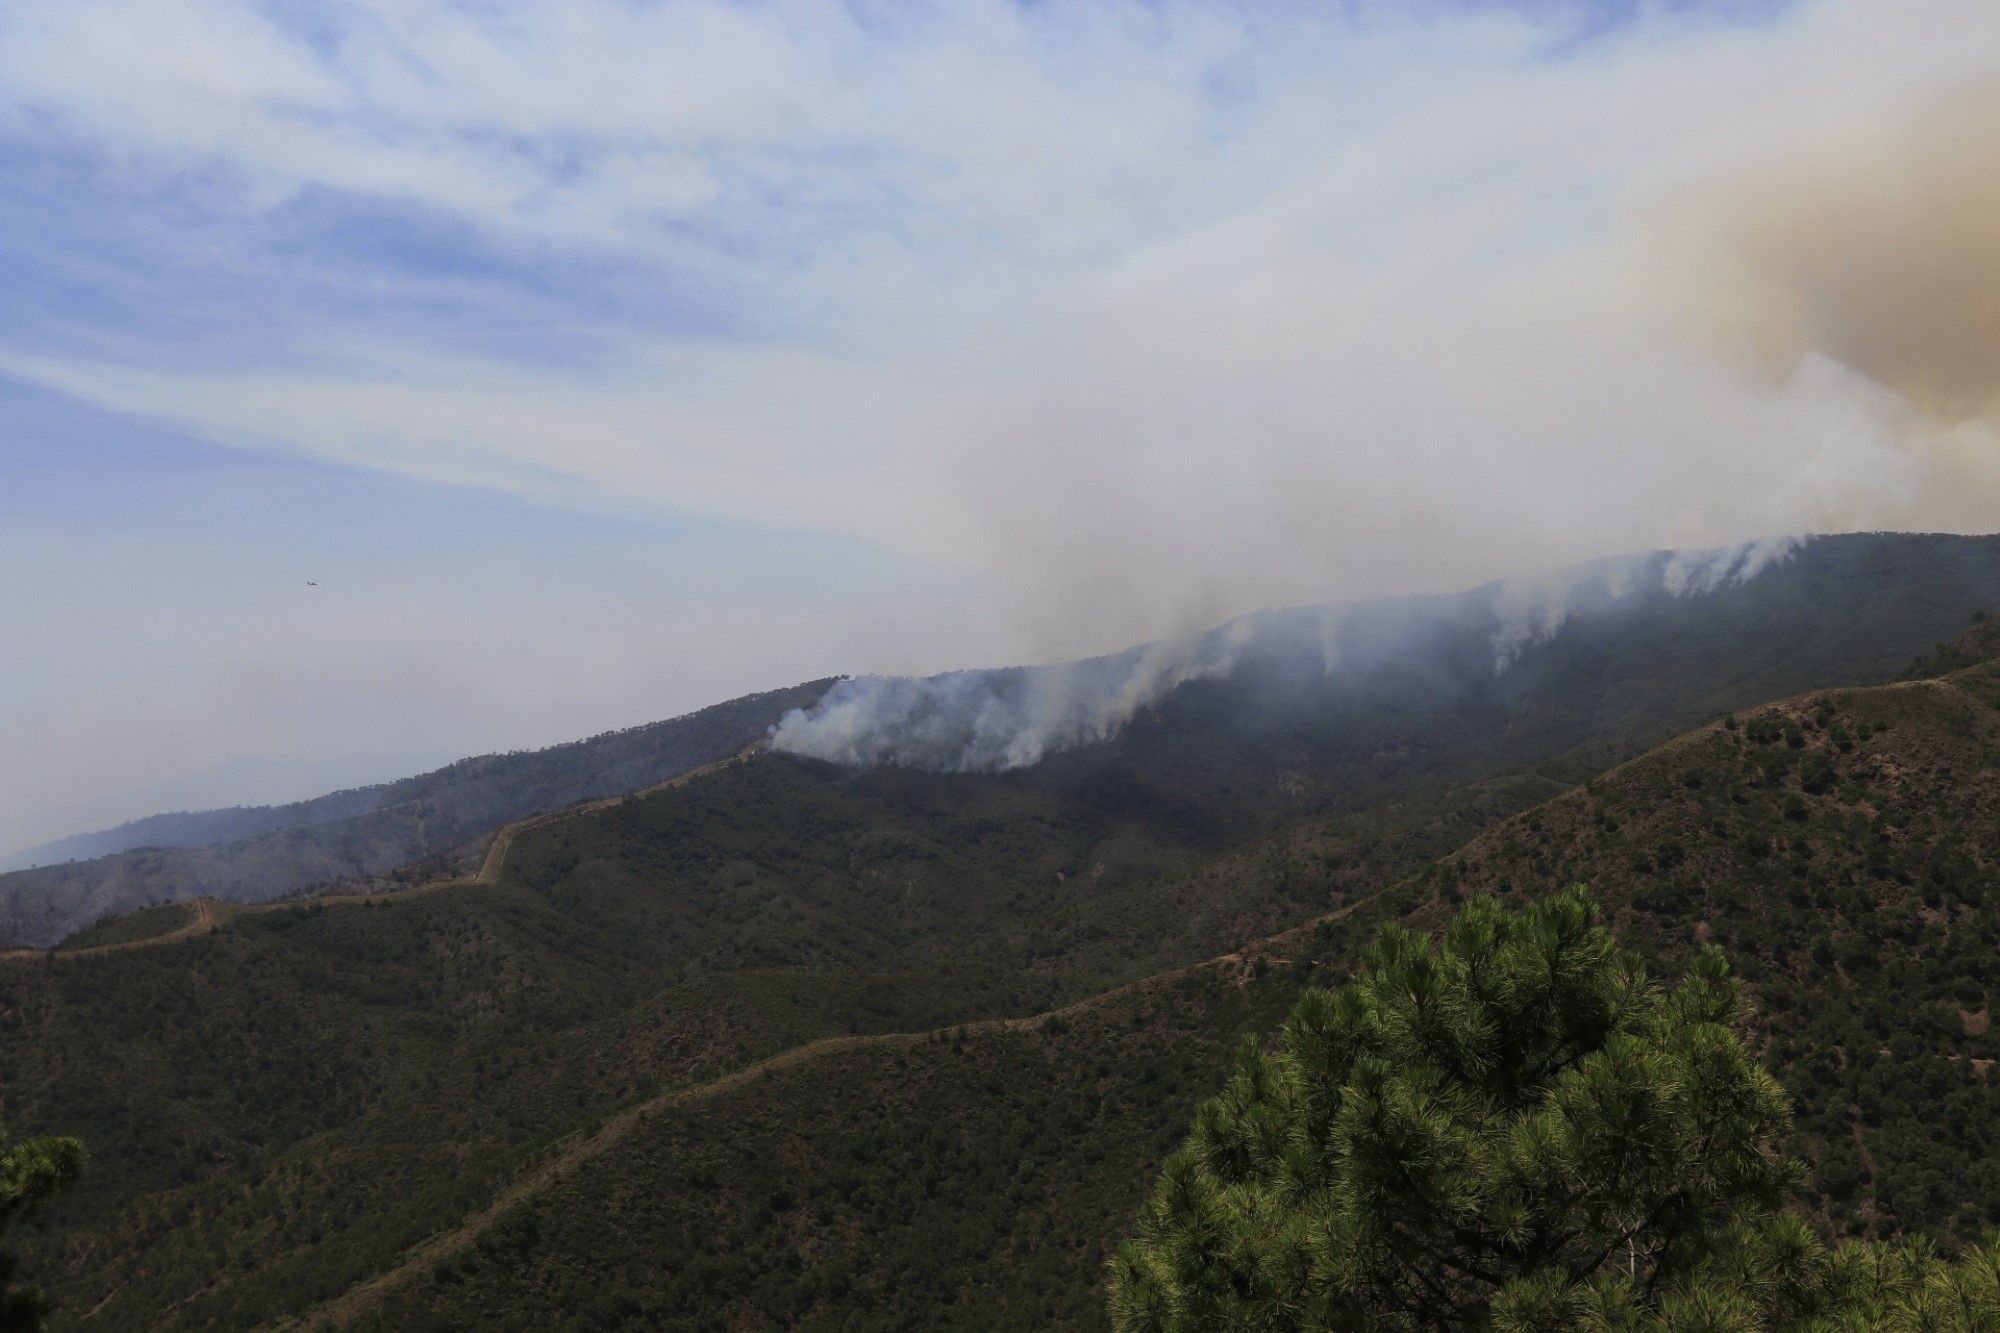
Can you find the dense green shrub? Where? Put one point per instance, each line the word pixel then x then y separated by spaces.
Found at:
pixel 1514 1129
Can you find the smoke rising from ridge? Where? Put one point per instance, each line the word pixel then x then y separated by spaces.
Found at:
pixel 1778 315
pixel 988 721
pixel 1050 328
pixel 995 720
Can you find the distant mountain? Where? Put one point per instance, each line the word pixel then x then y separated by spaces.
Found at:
pixel 250 854
pixel 805 1043
pixel 213 805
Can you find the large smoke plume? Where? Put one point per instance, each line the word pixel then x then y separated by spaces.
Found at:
pixel 1047 328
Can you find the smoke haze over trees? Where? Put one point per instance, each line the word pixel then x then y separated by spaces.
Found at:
pixel 985 721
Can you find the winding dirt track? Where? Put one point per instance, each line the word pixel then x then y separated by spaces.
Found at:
pixel 211 913
pixel 573 1152
pixel 363 1298
pixel 569 1154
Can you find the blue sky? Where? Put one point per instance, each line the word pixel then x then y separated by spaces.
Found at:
pixel 601 360
pixel 158 585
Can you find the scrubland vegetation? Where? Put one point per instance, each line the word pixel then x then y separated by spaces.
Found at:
pixel 294 1105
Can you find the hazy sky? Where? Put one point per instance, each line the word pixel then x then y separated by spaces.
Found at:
pixel 602 359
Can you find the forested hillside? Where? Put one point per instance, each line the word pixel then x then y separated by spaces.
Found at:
pixel 1322 709
pixel 310 1099
pixel 990 1160
pixel 283 1106
pixel 1845 848
pixel 255 854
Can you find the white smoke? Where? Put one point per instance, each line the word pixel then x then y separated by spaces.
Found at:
pixel 1531 611
pixel 988 721
pixel 991 721
pixel 1690 572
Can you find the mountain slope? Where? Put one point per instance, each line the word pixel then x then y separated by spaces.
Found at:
pixel 1845 849
pixel 285 1106
pixel 1293 713
pixel 233 788
pixel 986 1172
pixel 965 1177
pixel 252 854
pixel 280 1107
pixel 1313 710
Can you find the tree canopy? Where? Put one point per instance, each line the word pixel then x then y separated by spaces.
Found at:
pixel 29 1174
pixel 1511 1127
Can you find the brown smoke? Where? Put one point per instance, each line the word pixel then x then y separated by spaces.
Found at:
pixel 1883 255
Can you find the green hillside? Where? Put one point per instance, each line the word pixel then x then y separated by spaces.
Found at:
pixel 283 1106
pixel 144 924
pixel 970 1176
pixel 1843 848
pixel 973 1173
pixel 303 1099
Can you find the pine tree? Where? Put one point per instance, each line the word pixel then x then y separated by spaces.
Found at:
pixel 1511 1128
pixel 29 1174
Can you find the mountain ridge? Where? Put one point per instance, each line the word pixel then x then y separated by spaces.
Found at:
pixel 428 826
pixel 489 1277
pixel 287 1106
pixel 372 831
pixel 212 913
